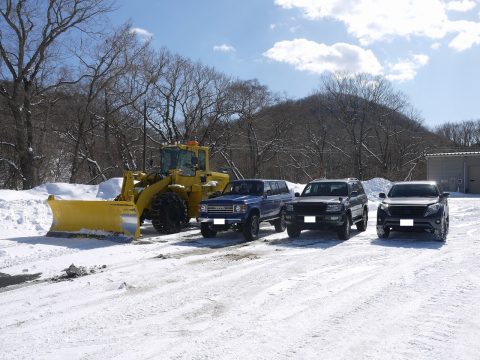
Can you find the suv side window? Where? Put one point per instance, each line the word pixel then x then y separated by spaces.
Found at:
pixel 357 186
pixel 282 185
pixel 274 188
pixel 266 188
pixel 361 191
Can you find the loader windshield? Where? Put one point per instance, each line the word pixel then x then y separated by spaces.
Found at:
pixel 177 159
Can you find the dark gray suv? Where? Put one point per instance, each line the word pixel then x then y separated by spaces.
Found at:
pixel 414 206
pixel 335 204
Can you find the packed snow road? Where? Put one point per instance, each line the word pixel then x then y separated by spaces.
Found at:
pixel 185 297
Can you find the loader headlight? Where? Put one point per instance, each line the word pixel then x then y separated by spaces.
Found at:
pixel 203 208
pixel 432 209
pixel 240 208
pixel 334 208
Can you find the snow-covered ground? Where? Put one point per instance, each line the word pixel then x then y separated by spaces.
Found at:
pixel 185 297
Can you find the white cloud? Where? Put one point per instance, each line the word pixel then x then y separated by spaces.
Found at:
pixel 142 33
pixel 273 26
pixel 468 35
pixel 224 48
pixel 306 55
pixel 436 46
pixel 406 69
pixel 461 6
pixel 379 20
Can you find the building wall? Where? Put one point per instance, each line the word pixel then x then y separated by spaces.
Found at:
pixel 447 172
pixel 453 172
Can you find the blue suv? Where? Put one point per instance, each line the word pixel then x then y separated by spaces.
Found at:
pixel 243 205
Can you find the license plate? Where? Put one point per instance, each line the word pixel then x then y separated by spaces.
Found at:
pixel 406 222
pixel 219 221
pixel 309 219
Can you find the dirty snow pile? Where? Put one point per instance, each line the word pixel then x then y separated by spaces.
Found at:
pixel 182 296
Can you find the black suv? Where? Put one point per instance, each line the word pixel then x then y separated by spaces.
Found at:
pixel 414 206
pixel 328 204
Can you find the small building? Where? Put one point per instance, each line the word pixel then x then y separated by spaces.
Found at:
pixel 455 171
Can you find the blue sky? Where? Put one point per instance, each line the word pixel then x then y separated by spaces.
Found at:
pixel 429 49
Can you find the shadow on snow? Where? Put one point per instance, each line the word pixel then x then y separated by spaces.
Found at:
pixel 417 240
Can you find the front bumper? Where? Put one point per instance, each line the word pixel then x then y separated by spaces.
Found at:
pixel 222 221
pixel 427 223
pixel 312 222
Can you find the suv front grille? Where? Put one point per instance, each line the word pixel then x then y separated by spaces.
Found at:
pixel 220 209
pixel 407 211
pixel 310 208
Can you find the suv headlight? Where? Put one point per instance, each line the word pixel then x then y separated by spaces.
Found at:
pixel 383 207
pixel 432 209
pixel 239 208
pixel 203 208
pixel 334 208
pixel 289 207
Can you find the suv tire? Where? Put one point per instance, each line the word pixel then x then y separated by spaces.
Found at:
pixel 208 230
pixel 280 224
pixel 251 228
pixel 383 233
pixel 293 231
pixel 362 225
pixel 441 235
pixel 343 232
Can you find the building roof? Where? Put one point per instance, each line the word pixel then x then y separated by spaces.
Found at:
pixel 452 154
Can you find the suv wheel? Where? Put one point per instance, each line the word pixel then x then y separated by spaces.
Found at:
pixel 343 231
pixel 280 224
pixel 383 233
pixel 251 227
pixel 441 234
pixel 293 231
pixel 207 230
pixel 362 225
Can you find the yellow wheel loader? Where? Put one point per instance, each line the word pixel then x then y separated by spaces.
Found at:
pixel 168 198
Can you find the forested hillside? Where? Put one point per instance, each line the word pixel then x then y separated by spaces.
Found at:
pixel 82 106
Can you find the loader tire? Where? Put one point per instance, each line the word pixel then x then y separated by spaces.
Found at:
pixel 169 213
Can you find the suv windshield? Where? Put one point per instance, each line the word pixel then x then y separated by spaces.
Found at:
pixel 326 189
pixel 413 190
pixel 244 188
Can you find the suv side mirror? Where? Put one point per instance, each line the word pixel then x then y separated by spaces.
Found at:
pixel 297 194
pixel 269 192
pixel 445 194
pixel 382 195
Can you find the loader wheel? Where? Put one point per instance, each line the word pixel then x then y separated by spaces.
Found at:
pixel 168 213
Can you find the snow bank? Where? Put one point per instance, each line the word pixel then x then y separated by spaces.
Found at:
pixel 109 189
pixel 375 186
pixel 295 188
pixel 28 210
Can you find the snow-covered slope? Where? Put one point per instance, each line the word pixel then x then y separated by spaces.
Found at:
pixel 185 297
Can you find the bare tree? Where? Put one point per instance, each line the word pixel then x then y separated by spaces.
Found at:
pixel 364 105
pixel 29 34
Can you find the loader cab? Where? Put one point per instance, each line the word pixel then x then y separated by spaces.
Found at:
pixel 186 158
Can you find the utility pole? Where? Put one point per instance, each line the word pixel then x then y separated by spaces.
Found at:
pixel 144 135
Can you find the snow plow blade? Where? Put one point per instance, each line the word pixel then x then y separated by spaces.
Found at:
pixel 97 219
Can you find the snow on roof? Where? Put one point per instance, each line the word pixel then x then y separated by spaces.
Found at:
pixel 461 153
